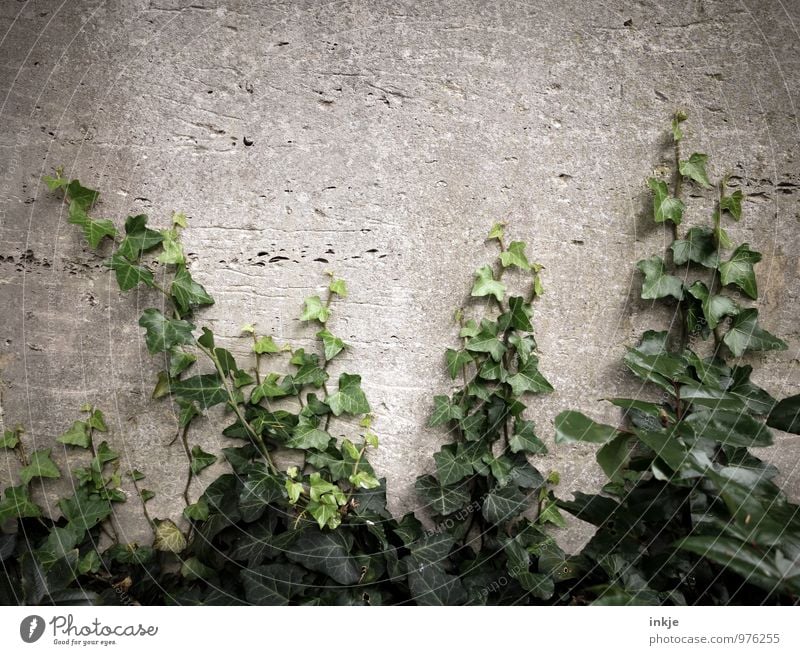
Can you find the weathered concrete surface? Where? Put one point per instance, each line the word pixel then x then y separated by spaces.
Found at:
pixel 386 137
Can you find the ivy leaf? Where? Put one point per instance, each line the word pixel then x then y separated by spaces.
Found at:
pixel 55 183
pixel 172 249
pixel 431 585
pixel 786 415
pixel 84 511
pixel 732 428
pixel 10 439
pixel 503 504
pixel 698 247
pixel 168 537
pixel 514 256
pixel 732 204
pixel 338 287
pixel 308 435
pixel 746 334
pixel 525 440
pixel 265 346
pixel 350 399
pixel 528 378
pixel 129 275
pixel 450 465
pixel 269 388
pixel 138 238
pixel 738 270
pixel 315 310
pixel 573 426
pixel 486 285
pixel 17 503
pixel 41 466
pixel 520 313
pixel 96 419
pixel 657 284
pixel 325 514
pixel 81 195
pixel 146 495
pixel 327 553
pixel 496 232
pixel 95 230
pixel 714 307
pixel 197 511
pixel 442 499
pixel 457 360
pixel 677 119
pixel 486 341
pixel 260 490
pixel 332 345
pixel 444 410
pixel 201 459
pixel 695 169
pixel 187 293
pixel 164 334
pixel 77 435
pixel 179 361
pixel 272 584
pixel 207 390
pixel 665 207
pixel 613 456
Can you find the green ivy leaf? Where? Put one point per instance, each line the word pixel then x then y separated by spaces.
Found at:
pixel 201 459
pixel 486 285
pixel 273 584
pixel 514 256
pixel 327 553
pixel 129 275
pixel 732 204
pixel 168 537
pixel 179 361
pixel 496 232
pixel 733 428
pixel 81 195
pixel 164 334
pixel 269 388
pixel 350 399
pixel 525 440
pixel 677 119
pixel 444 410
pixel 172 252
pixel 528 378
pixel 55 183
pixel 187 293
pixel 521 313
pixel 431 585
pixel 95 230
pixel 84 510
pixel 308 435
pixel 207 390
pixel 265 346
pixel 17 503
pixel 10 439
pixel 613 456
pixel 551 514
pixel 260 490
pixel 332 345
pixel 573 426
pixel 146 495
pixel 451 466
pixel 338 287
pixel 77 435
pixel 486 341
pixel 695 169
pixel 738 270
pixel 41 466
pixel 197 511
pixel 786 415
pixel 698 247
pixel 315 310
pixel 503 504
pixel 665 207
pixel 657 284
pixel 714 307
pixel 457 360
pixel 138 238
pixel 442 499
pixel 745 334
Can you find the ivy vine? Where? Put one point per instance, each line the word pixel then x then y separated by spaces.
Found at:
pixel 689 514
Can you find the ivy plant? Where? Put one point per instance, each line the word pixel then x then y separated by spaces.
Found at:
pixel 690 514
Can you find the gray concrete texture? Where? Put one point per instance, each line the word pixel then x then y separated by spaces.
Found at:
pixel 386 137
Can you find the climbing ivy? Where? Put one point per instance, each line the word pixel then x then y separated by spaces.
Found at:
pixel 689 514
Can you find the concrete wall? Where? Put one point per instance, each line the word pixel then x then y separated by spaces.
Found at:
pixel 386 138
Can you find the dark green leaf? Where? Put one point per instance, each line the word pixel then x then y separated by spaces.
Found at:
pixel 272 584
pixel 327 553
pixel 77 435
pixel 665 207
pixel 738 270
pixel 431 585
pixel 81 195
pixel 786 415
pixel 745 334
pixel 698 247
pixel 201 459
pixel 525 440
pixel 442 500
pixel 451 466
pixel 187 293
pixel 40 466
pixel 164 334
pixel 350 399
pixel 457 360
pixel 138 238
pixel 207 390
pixel 714 307
pixel 503 504
pixel 732 204
pixel 521 313
pixel 695 169
pixel 573 426
pixel 17 503
pixel 444 410
pixel 129 275
pixel 657 284
pixel 83 510
pixel 528 378
pixel 332 345
pixel 514 255
pixel 730 427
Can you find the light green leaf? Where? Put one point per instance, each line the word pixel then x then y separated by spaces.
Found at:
pixel 315 310
pixel 486 285
pixel 677 119
pixel 349 399
pixel 10 439
pixel 457 360
pixel 497 231
pixel 77 435
pixel 83 510
pixel 364 480
pixel 695 168
pixel 201 459
pixel 16 503
pixel 573 426
pixel 338 287
pixel 168 538
pixel 657 284
pixel 41 466
pixel 665 207
pixel 738 270
pixel 179 219
pixel 746 334
pixel 515 255
pixel 54 183
pixel 698 247
pixel 188 293
pixel 528 378
pixel 163 334
pixel 332 345
pixel 732 204
pixel 172 249
pixel 444 410
pixel 265 345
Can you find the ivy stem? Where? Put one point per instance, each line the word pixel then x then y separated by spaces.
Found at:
pixel 328 302
pixel 258 361
pixel 676 192
pixel 716 281
pixel 254 436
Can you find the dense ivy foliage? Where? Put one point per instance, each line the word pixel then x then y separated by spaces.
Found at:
pixel 689 515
